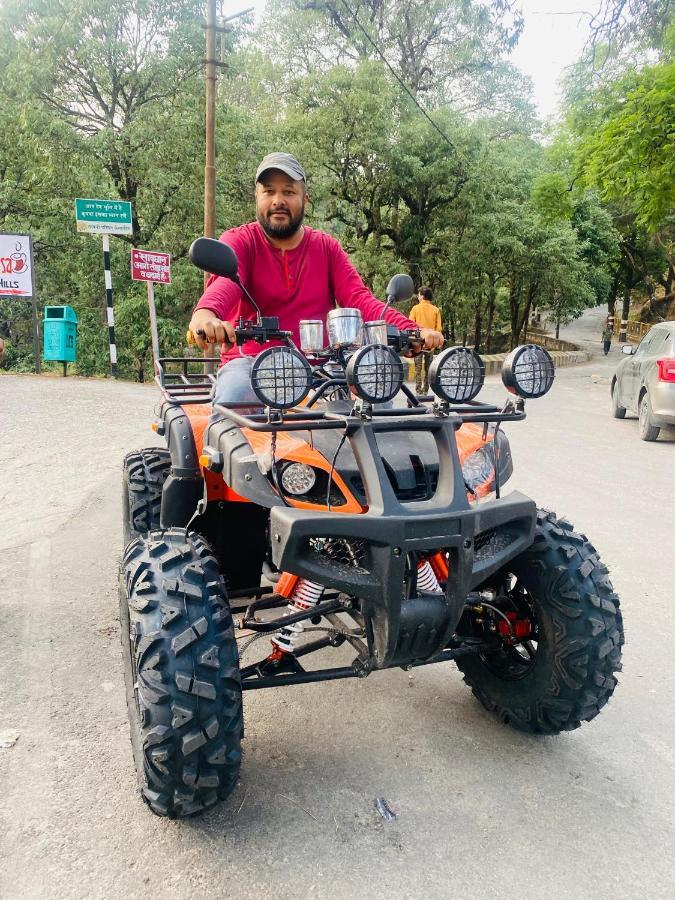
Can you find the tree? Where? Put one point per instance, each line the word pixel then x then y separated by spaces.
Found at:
pixel 446 52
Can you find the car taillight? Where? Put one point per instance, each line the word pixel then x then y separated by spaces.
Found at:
pixel 666 369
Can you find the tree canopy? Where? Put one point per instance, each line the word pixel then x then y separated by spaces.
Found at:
pixel 419 137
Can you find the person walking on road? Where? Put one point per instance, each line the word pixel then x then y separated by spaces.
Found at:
pixel 606 338
pixel 425 315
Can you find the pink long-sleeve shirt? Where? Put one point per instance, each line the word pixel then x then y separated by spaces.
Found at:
pixel 303 283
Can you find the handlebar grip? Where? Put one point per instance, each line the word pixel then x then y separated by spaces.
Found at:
pixel 191 338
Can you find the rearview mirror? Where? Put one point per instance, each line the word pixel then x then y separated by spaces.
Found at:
pixel 214 257
pixel 400 288
pixel 628 350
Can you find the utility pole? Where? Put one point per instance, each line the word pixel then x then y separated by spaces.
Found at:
pixel 211 63
pixel 210 120
pixel 211 27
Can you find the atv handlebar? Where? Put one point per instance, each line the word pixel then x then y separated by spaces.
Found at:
pixel 266 329
pixel 405 342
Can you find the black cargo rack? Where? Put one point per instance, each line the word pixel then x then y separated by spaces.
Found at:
pixel 181 385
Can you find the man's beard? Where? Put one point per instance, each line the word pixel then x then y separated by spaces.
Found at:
pixel 280 231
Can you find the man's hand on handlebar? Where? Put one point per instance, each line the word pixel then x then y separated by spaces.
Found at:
pixel 207 329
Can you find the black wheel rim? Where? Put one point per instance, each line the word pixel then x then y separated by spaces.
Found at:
pixel 511 658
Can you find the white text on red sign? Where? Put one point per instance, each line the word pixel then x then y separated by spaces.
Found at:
pixel 151 265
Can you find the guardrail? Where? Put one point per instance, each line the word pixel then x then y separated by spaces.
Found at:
pixel 533 336
pixel 635 331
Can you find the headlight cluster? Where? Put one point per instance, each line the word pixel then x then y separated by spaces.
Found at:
pixel 457 374
pixel 281 376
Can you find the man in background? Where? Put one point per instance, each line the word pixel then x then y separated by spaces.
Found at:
pixel 425 315
pixel 607 338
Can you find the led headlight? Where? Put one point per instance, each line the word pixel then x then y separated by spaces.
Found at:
pixel 297 478
pixel 456 374
pixel 528 371
pixel 376 373
pixel 478 469
pixel 281 377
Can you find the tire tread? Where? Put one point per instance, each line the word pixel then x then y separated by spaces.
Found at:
pixel 188 739
pixel 587 629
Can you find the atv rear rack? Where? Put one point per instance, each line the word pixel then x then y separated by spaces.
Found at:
pixel 184 386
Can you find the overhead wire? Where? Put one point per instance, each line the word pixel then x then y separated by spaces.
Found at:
pixel 398 78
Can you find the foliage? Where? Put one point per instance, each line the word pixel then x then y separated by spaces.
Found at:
pixel 627 146
pixel 618 140
pixel 418 136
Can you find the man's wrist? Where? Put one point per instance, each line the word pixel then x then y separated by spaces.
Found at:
pixel 204 313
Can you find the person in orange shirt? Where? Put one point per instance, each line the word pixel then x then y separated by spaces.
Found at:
pixel 426 315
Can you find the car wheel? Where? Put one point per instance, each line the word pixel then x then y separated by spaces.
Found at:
pixel 618 411
pixel 648 432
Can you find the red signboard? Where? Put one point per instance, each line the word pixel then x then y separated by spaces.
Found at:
pixel 150 265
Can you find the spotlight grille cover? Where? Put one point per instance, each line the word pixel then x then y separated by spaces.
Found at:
pixel 528 371
pixel 281 377
pixel 457 374
pixel 376 373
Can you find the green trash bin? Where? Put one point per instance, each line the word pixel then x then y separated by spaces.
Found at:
pixel 60 333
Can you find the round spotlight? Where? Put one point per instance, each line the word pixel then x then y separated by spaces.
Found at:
pixel 376 373
pixel 297 478
pixel 281 377
pixel 528 371
pixel 456 374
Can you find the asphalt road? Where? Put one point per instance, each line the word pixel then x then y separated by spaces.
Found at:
pixel 483 811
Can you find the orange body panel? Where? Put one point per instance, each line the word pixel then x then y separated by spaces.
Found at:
pixel 288 447
pixel 215 486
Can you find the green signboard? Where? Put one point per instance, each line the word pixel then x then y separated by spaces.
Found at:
pixel 103 216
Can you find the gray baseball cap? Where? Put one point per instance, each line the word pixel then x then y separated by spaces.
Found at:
pixel 285 163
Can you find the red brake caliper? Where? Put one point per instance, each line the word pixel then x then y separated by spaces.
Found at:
pixel 520 629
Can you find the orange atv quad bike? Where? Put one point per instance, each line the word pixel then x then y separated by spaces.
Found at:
pixel 343 513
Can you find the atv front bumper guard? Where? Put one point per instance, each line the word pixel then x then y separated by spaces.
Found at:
pixel 479 540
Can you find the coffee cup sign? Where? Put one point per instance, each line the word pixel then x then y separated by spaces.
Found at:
pixel 19 259
pixel 16 269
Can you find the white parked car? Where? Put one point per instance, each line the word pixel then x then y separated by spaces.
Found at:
pixel 644 382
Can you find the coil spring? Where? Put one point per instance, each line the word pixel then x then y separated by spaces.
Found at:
pixel 306 595
pixel 426 580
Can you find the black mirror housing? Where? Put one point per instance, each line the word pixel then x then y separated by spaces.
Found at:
pixel 401 287
pixel 214 257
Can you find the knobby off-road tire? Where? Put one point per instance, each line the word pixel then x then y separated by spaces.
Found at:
pixel 618 411
pixel 181 672
pixel 580 637
pixel 648 432
pixel 144 474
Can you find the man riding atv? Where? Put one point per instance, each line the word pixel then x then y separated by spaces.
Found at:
pixel 309 504
pixel 294 272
